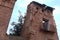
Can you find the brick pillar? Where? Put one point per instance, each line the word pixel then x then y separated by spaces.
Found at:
pixel 6 8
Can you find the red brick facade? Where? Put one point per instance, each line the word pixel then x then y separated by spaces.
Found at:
pixel 6 7
pixel 33 27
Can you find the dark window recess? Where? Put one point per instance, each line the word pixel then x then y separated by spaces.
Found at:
pixel 45 24
pixel 37 8
pixel 42 10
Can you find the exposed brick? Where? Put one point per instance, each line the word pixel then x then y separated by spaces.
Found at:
pixel 33 28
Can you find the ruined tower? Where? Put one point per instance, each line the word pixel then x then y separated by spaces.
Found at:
pixel 39 23
pixel 6 8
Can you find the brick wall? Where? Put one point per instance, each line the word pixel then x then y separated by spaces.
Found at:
pixel 32 26
pixel 6 8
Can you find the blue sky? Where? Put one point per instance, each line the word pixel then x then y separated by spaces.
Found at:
pixel 22 6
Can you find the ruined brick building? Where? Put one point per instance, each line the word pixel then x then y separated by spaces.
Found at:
pixel 39 23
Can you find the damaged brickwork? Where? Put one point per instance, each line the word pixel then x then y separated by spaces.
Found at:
pixel 39 22
pixel 34 28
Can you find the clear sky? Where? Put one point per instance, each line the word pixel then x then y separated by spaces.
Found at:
pixel 22 6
